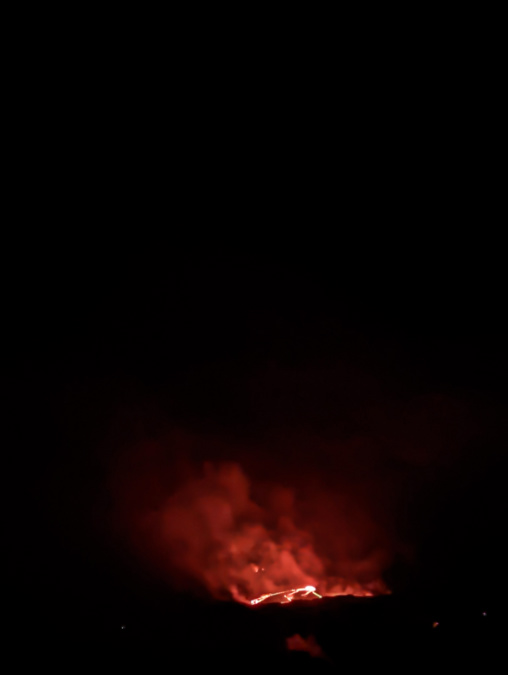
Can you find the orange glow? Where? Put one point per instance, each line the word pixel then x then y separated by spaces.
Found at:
pixel 309 645
pixel 211 531
pixel 288 596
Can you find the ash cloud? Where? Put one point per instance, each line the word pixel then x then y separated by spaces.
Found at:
pixel 319 488
pixel 213 531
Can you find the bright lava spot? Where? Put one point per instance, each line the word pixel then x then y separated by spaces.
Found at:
pixel 287 596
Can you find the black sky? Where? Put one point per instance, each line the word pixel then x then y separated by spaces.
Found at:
pixel 292 263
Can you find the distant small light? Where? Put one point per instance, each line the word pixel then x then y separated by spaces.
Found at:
pixel 435 624
pixel 484 614
pixel 123 627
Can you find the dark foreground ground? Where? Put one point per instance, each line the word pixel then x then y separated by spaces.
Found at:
pixel 385 634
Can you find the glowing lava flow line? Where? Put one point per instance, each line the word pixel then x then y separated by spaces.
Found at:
pixel 288 595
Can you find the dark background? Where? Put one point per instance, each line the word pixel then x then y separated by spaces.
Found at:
pixel 153 276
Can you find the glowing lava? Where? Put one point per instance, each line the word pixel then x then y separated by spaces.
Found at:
pixel 211 533
pixel 287 596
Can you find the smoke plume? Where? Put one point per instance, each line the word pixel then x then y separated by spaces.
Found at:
pixel 320 495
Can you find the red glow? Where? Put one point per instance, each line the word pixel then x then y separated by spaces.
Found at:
pixel 288 596
pixel 211 530
pixel 299 644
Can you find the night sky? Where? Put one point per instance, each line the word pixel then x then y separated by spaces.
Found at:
pixel 254 321
pixel 371 391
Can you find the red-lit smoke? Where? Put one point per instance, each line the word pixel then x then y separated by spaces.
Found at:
pixel 314 487
pixel 210 528
pixel 297 643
